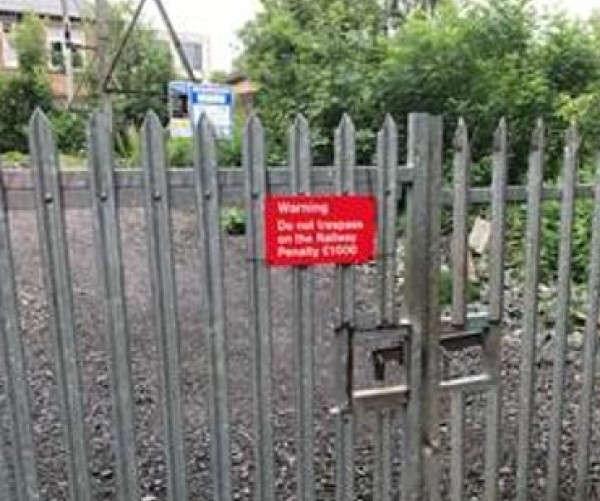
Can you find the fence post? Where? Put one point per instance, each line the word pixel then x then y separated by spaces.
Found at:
pixel 12 349
pixel 211 246
pixel 57 280
pixel 112 289
pixel 259 298
pixel 164 297
pixel 422 306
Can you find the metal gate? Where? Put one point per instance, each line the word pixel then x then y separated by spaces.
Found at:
pixel 423 410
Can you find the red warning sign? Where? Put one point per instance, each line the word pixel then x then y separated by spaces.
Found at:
pixel 308 230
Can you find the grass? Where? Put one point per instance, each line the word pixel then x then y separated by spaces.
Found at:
pixel 17 160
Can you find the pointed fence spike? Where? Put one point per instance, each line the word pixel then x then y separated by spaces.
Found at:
pixel 389 125
pixel 253 123
pixel 301 121
pixel 151 120
pixel 300 155
pixel 572 137
pixel 500 136
pixel 346 125
pixel 461 135
pixel 38 118
pixel 537 137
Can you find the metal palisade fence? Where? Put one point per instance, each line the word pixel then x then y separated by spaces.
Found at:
pixel 422 428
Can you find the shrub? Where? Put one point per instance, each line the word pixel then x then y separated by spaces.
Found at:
pixel 180 152
pixel 128 146
pixel 70 130
pixel 14 159
pixel 446 283
pixel 20 95
pixel 550 239
pixel 233 221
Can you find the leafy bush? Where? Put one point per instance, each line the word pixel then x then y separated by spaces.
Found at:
pixel 550 239
pixel 14 159
pixel 180 151
pixel 446 283
pixel 20 95
pixel 233 220
pixel 30 43
pixel 481 60
pixel 70 130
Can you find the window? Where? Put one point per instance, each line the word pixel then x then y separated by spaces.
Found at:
pixel 9 53
pixel 193 53
pixel 57 58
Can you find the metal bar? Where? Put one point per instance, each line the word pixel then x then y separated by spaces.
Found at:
pixel 129 187
pixel 532 265
pixel 563 311
pixel 303 322
pixel 378 398
pixel 387 153
pixel 467 383
pixel 208 207
pixel 5 484
pixel 55 261
pixel 113 63
pixel 589 356
pixel 457 432
pixel 111 285
pixel 416 297
pixel 459 228
pixel 176 42
pixel 431 425
pixel 387 143
pixel 162 280
pixel 345 282
pixel 382 478
pixel 422 308
pixel 493 344
pixel 498 230
pixel 259 287
pixel 23 460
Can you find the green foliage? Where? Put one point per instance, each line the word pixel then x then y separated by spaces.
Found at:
pixel 233 221
pixel 14 159
pixel 446 283
pixel 315 57
pixel 219 77
pixel 22 92
pixel 550 239
pixel 481 60
pixel 129 147
pixel 180 151
pixel 142 73
pixel 70 130
pixel 20 95
pixel 30 43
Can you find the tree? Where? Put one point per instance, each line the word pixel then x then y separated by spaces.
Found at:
pixel 316 57
pixel 479 59
pixel 24 91
pixel 142 74
pixel 30 43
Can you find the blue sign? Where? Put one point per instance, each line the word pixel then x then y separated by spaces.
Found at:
pixel 215 101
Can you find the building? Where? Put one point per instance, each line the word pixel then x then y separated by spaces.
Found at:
pixel 198 51
pixel 12 12
pixel 244 89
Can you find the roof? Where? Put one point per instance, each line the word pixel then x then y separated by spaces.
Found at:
pixel 43 7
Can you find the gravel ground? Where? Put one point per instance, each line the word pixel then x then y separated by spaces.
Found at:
pixel 194 376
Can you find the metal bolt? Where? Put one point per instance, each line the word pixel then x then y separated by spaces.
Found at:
pixel 48 198
pixel 156 196
pixel 103 196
